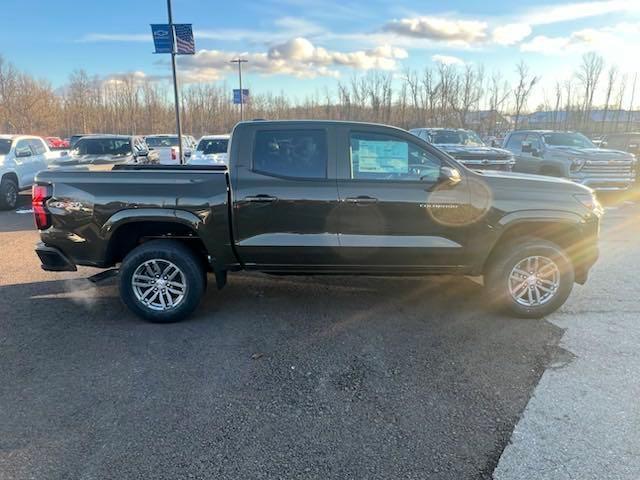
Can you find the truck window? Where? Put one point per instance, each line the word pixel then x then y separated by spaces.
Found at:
pixel 515 142
pixel 5 146
pixel 291 153
pixel 385 157
pixel 617 142
pixel 22 147
pixel 37 146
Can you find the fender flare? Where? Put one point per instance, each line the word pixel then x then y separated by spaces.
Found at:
pixel 532 216
pixel 11 171
pixel 524 217
pixel 126 216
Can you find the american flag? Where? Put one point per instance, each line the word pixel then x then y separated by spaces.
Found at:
pixel 185 44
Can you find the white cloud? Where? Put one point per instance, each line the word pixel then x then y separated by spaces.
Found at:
pixel 447 60
pixel 511 33
pixel 617 40
pixel 437 28
pixel 297 57
pixel 575 11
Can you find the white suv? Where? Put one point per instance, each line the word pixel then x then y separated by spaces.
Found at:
pixel 21 157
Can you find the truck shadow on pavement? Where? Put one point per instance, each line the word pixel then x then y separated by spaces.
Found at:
pixel 314 377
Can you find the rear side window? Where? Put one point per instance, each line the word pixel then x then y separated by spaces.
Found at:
pixel 291 153
pixel 515 142
pixel 37 146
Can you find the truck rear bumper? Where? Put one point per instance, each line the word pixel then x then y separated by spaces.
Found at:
pixel 53 260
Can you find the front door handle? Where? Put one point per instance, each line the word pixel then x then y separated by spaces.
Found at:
pixel 260 198
pixel 361 200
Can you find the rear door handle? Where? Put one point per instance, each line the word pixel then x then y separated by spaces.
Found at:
pixel 361 200
pixel 260 199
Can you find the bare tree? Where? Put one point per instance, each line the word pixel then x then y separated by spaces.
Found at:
pixel 525 84
pixel 588 75
pixel 611 80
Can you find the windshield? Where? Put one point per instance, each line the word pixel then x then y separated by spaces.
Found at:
pixel 213 145
pixel 455 137
pixel 102 146
pixel 567 140
pixel 5 146
pixel 156 142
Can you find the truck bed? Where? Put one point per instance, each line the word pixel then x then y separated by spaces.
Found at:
pixel 89 207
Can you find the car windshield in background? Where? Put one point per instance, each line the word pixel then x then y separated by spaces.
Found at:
pixel 155 142
pixel 212 146
pixel 103 146
pixel 5 146
pixel 454 137
pixel 567 140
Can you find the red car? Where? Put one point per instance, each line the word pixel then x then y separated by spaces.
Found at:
pixel 57 142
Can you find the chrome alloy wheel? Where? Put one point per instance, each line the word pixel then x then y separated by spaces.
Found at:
pixel 11 196
pixel 534 281
pixel 159 284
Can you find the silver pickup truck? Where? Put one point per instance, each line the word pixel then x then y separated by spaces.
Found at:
pixel 573 156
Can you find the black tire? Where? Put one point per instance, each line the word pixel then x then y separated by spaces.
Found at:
pixel 8 194
pixel 191 271
pixel 497 279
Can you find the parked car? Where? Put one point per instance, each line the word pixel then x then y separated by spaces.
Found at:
pixel 74 138
pixel 312 197
pixel 570 155
pixel 211 150
pixel 106 150
pixel 167 148
pixel 627 142
pixel 467 147
pixel 21 157
pixel 57 143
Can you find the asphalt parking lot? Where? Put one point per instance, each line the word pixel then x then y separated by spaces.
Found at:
pixel 276 377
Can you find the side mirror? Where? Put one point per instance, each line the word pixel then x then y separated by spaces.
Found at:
pixel 187 153
pixel 449 176
pixel 23 153
pixel 143 153
pixel 604 144
pixel 526 147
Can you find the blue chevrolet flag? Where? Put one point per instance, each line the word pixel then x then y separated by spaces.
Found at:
pixel 162 38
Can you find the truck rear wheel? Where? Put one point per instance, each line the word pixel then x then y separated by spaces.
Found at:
pixel 162 281
pixel 8 194
pixel 531 279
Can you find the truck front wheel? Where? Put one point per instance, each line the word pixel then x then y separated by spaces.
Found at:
pixel 8 194
pixel 531 278
pixel 162 281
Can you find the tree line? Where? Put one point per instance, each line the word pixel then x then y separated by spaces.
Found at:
pixel 443 96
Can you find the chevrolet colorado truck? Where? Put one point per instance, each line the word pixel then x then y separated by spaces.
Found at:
pixel 318 197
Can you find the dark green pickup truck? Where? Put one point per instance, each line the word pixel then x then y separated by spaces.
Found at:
pixel 318 197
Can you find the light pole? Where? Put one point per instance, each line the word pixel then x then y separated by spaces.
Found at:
pixel 240 61
pixel 175 80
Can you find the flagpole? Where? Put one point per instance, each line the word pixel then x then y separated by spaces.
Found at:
pixel 175 81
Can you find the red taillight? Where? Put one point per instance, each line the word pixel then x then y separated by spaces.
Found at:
pixel 174 156
pixel 39 196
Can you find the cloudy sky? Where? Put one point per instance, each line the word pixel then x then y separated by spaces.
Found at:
pixel 300 46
